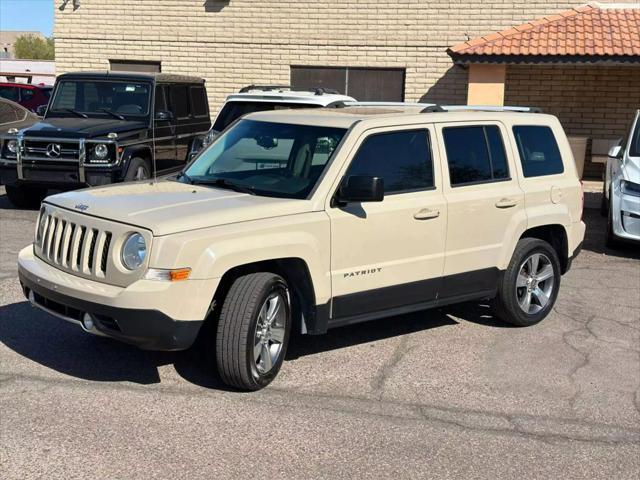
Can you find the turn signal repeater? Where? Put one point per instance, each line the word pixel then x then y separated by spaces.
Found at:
pixel 165 275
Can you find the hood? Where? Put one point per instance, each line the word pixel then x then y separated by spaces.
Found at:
pixel 68 127
pixel 167 207
pixel 631 169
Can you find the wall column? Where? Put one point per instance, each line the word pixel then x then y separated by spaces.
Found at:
pixel 486 84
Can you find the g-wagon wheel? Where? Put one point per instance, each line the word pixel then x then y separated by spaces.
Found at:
pixel 138 170
pixel 253 330
pixel 529 286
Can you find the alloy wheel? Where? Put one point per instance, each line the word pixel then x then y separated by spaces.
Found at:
pixel 535 283
pixel 270 332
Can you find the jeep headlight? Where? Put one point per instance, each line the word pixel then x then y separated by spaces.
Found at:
pixel 630 188
pixel 134 251
pixel 42 220
pixel 12 146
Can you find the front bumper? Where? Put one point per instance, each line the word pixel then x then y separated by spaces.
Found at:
pixel 56 176
pixel 149 314
pixel 625 216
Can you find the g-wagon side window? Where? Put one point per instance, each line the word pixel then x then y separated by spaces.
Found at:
pixel 198 102
pixel 403 159
pixel 475 154
pixel 538 149
pixel 180 101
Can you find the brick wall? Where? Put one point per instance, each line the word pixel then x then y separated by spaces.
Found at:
pixel 239 42
pixel 597 102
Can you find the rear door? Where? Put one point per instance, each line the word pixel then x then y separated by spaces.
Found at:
pixel 485 205
pixel 389 254
pixel 182 114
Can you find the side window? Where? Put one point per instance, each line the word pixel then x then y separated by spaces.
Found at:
pixel 475 154
pixel 180 101
pixel 10 93
pixel 403 159
pixel 198 101
pixel 538 151
pixel 161 101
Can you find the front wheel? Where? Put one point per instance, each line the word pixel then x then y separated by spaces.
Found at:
pixel 253 331
pixel 529 287
pixel 138 170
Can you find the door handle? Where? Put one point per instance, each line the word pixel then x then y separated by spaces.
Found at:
pixel 506 203
pixel 426 214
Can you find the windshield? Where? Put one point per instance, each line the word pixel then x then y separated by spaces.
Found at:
pixel 97 98
pixel 234 110
pixel 634 151
pixel 271 159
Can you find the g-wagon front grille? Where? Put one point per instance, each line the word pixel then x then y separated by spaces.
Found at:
pixel 75 247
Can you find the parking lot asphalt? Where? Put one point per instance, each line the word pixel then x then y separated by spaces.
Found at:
pixel 447 393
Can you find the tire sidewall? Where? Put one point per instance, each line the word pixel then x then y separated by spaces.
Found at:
pixel 277 284
pixel 511 275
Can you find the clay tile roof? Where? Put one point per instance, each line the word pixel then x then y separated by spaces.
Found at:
pixel 588 31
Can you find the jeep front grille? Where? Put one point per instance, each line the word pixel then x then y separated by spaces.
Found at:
pixel 75 247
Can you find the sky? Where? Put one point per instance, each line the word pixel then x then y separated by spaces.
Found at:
pixel 29 15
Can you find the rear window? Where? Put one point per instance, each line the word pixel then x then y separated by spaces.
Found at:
pixel 234 110
pixel 475 154
pixel 538 149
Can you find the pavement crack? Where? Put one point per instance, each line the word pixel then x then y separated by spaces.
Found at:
pixel 379 380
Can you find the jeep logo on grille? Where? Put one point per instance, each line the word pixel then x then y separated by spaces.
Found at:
pixel 54 150
pixel 82 207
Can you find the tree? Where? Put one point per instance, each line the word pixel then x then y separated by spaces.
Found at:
pixel 32 47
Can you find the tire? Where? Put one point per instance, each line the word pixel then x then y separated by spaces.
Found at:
pixel 242 358
pixel 510 302
pixel 138 170
pixel 604 205
pixel 612 242
pixel 25 196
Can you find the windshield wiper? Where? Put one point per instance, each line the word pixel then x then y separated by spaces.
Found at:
pixel 224 183
pixel 113 114
pixel 75 112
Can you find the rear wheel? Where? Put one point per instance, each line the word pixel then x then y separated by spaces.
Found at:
pixel 138 170
pixel 25 196
pixel 529 287
pixel 253 331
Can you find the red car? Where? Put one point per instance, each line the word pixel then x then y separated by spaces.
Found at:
pixel 28 95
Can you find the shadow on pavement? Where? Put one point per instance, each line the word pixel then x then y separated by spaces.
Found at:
pixel 66 348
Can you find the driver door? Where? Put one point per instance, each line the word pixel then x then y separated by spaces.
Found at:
pixel 389 255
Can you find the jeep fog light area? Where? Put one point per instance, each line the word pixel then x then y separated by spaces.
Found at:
pixel 304 220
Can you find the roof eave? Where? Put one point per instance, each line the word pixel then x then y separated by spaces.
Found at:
pixel 468 59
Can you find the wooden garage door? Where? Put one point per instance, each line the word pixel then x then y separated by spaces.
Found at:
pixel 364 84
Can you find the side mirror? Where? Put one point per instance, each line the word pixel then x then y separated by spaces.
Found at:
pixel 164 115
pixel 615 151
pixel 41 110
pixel 361 188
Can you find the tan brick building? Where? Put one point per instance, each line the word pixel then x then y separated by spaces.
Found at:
pixel 399 45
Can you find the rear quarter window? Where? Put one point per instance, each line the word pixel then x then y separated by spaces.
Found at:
pixel 538 150
pixel 199 105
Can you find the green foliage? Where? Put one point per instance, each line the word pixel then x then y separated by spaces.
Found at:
pixel 31 47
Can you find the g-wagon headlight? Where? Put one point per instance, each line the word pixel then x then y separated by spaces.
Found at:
pixel 12 146
pixel 134 251
pixel 99 153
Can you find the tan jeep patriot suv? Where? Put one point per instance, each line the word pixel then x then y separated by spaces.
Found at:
pixel 313 219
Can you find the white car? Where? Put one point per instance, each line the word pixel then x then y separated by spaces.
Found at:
pixel 260 98
pixel 621 197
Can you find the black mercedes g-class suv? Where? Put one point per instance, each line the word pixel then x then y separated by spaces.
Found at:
pixel 105 127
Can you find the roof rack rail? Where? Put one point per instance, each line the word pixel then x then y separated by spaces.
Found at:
pixel 345 103
pixel 263 87
pixel 480 108
pixel 270 88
